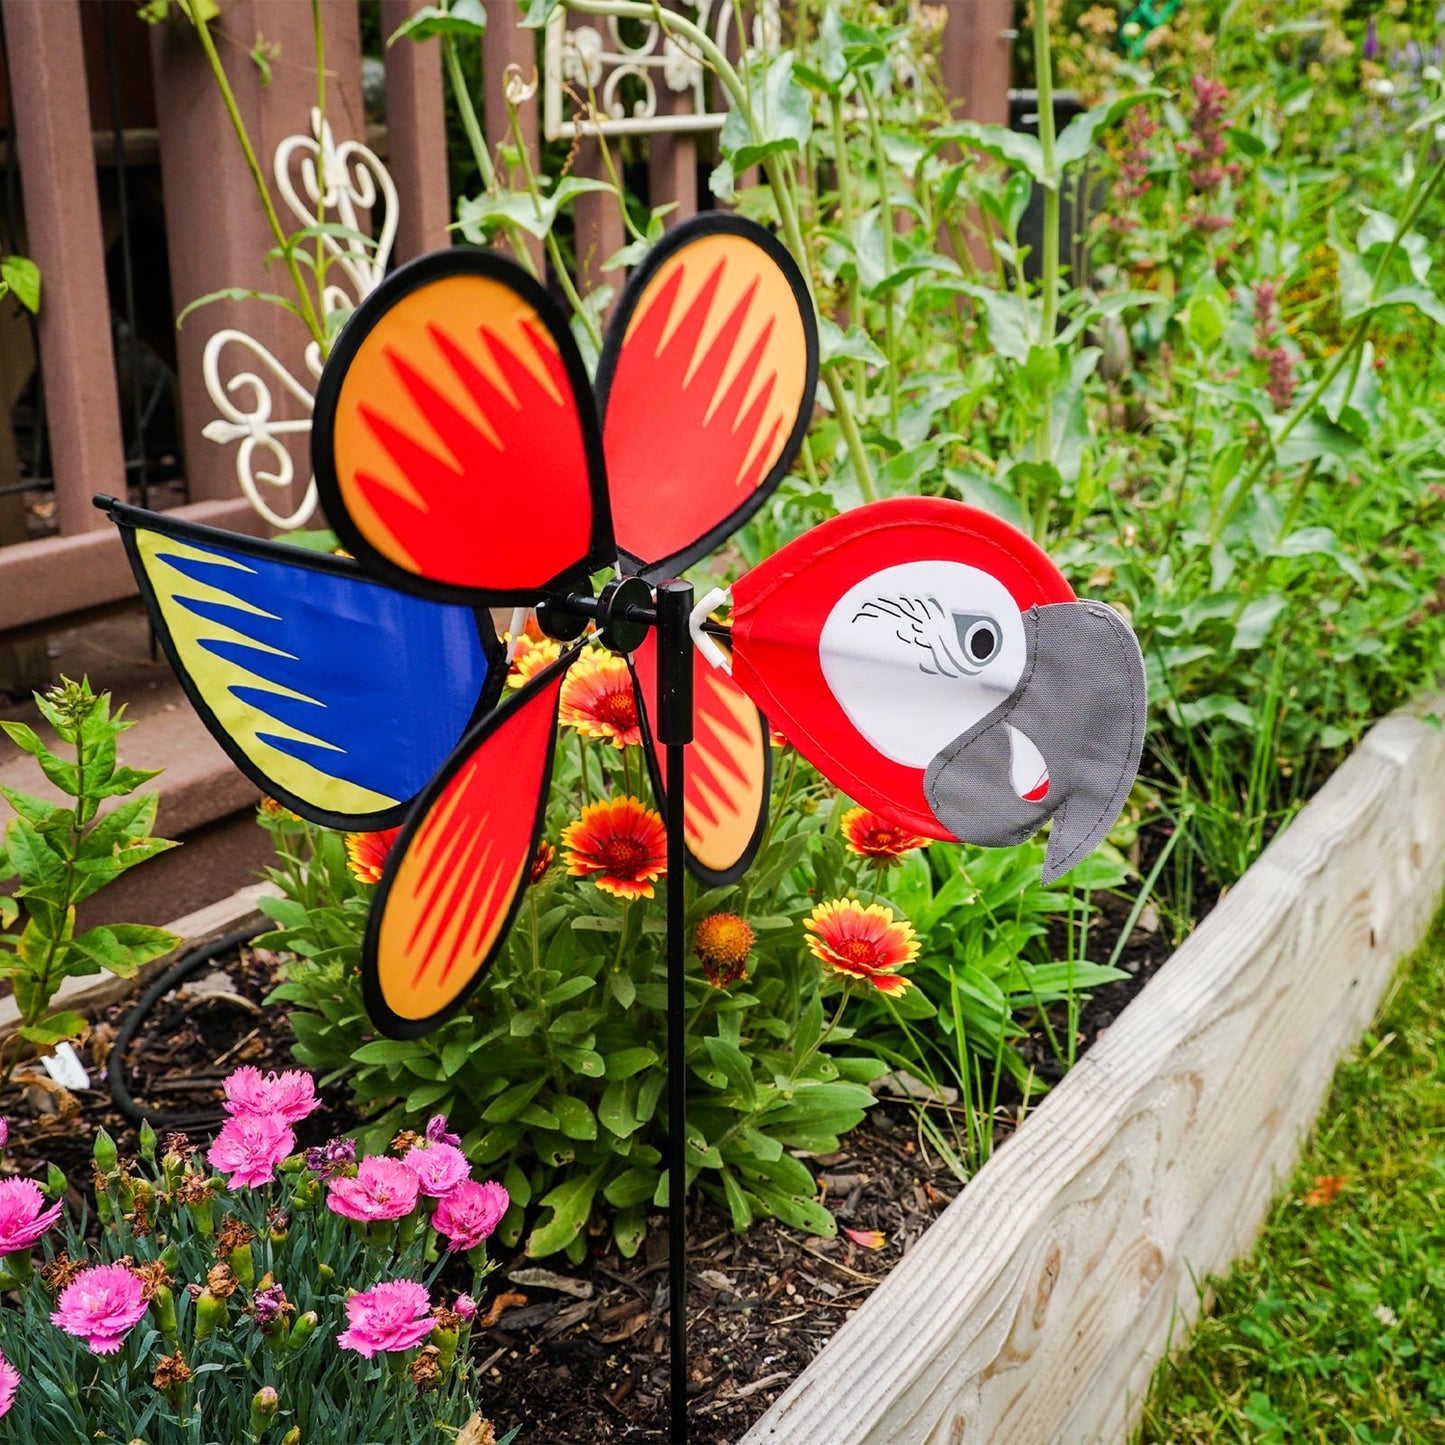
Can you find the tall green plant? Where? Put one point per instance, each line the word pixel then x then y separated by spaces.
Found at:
pixel 61 856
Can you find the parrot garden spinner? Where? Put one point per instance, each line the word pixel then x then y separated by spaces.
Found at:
pixel 926 657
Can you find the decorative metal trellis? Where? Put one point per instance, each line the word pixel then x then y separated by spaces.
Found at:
pixel 337 184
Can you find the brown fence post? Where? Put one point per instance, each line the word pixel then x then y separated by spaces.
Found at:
pixel 508 43
pixel 672 162
pixel 416 136
pixel 977 45
pixel 51 114
pixel 218 234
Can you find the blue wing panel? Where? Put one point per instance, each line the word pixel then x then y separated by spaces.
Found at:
pixel 343 695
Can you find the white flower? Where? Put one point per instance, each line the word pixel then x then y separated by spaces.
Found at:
pixel 1386 1316
pixel 1380 86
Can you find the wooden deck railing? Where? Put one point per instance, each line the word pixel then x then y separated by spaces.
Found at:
pixel 217 236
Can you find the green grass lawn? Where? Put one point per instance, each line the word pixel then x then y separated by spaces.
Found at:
pixel 1334 1328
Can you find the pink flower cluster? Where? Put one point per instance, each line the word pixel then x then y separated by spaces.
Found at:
pixel 99 1306
pixel 258 1135
pixel 392 1316
pixel 23 1219
pixel 467 1212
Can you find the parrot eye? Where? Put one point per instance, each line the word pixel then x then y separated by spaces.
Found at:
pixel 979 636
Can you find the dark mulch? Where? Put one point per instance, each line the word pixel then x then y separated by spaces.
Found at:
pixel 587 1362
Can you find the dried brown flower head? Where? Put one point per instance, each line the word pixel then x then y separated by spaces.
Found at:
pixel 426 1369
pixel 220 1281
pixel 405 1140
pixel 172 1372
pixel 194 1188
pixel 234 1234
pixel 153 1276
pixel 58 1272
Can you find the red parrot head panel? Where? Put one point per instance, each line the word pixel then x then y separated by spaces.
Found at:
pixel 932 662
pixel 705 387
pixel 453 417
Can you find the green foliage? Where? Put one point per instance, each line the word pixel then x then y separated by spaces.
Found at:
pixel 63 855
pixel 1329 1330
pixel 248 1290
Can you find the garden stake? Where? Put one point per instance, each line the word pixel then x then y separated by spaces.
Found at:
pixel 674 732
pixel 925 656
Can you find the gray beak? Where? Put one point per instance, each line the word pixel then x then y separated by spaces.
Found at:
pixel 1081 702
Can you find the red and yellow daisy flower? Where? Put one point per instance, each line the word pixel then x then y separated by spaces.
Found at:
pixel 597 700
pixel 866 944
pixel 723 942
pixel 533 653
pixel 366 853
pixel 620 844
pixel 871 835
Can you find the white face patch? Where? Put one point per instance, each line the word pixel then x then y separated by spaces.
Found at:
pixel 917 654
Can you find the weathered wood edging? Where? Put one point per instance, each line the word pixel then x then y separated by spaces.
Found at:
pixel 1037 1306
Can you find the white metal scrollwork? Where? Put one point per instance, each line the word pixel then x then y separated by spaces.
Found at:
pixel 337 184
pixel 603 63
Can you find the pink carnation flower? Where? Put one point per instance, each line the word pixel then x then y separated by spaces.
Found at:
pixel 291 1095
pixel 21 1219
pixel 392 1316
pixel 249 1147
pixel 9 1383
pixel 440 1167
pixel 99 1305
pixel 382 1189
pixel 470 1213
pixel 466 1307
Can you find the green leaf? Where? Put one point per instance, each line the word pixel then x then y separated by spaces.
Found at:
pixel 633 1186
pixel 124 947
pixel 510 1103
pixel 538 13
pixel 571 1205
pixel 1207 314
pixel 576 1120
pixel 237 293
pixel 617 1109
pixel 1256 620
pixel 784 116
pixel 461 17
pixel 734 1066
pixel 626 1062
pixel 738 1205
pixel 22 276
pixel 1076 139
pixel 837 346
pixel 1007 317
pixel 623 987
pixel 65 776
pixel 37 810
pixel 390 1051
pixel 1012 147
pixel 9 910
pixel 55 1028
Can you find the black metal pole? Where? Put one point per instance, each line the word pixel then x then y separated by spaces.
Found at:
pixel 674 732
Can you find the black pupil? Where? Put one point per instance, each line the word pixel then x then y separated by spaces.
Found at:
pixel 982 642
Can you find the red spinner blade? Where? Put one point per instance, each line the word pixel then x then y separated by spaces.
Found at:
pixel 455 439
pixel 457 873
pixel 728 768
pixel 705 386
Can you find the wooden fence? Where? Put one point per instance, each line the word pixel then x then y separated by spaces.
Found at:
pixel 217 237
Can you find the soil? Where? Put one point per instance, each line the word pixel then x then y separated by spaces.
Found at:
pixel 581 1358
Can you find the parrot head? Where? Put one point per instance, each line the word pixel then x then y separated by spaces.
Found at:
pixel 932 662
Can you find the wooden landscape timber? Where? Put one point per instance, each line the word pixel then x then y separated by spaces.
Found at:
pixel 1036 1308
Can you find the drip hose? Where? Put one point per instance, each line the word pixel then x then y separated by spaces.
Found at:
pixel 115 1069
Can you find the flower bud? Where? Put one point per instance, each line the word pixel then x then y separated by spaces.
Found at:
pixel 264 1404
pixel 163 1302
pixel 446 1344
pixel 243 1265
pixel 104 1152
pixel 292 1436
pixel 211 1312
pixel 55 1182
pixel 302 1330
pixel 307 1195
pixel 147 1141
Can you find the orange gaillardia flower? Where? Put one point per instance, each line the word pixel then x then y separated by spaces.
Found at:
pixel 597 700
pixel 866 944
pixel 366 853
pixel 534 652
pixel 620 844
pixel 870 835
pixel 723 942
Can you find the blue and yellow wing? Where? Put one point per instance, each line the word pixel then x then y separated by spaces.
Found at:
pixel 338 695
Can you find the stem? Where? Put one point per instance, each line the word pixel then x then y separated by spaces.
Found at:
pixel 844 176
pixel 675 24
pixel 1043 63
pixel 470 124
pixel 885 216
pixel 308 311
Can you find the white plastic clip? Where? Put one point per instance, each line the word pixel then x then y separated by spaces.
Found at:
pixel 716 657
pixel 515 628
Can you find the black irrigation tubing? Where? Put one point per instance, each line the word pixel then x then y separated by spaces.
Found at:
pixel 188 963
